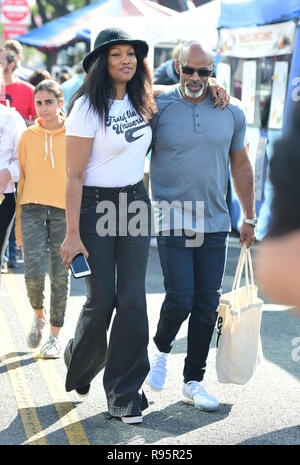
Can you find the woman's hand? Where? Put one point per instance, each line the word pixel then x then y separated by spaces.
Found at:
pixel 218 93
pixel 72 246
pixel 4 179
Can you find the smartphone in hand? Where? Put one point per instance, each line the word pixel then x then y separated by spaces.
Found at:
pixel 80 266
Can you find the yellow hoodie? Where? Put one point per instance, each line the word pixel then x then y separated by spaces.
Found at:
pixel 42 161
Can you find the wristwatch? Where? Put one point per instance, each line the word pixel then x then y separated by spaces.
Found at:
pixel 252 221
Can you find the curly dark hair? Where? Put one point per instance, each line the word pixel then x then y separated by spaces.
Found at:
pixel 99 88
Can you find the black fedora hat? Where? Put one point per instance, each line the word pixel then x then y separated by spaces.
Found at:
pixel 109 37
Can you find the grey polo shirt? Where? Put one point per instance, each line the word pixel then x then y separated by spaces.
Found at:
pixel 189 160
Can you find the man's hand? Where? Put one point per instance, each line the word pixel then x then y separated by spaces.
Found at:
pixel 247 234
pixel 218 93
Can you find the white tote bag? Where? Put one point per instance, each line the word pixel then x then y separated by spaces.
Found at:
pixel 238 327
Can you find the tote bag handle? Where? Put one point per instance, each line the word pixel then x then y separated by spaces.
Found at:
pixel 245 260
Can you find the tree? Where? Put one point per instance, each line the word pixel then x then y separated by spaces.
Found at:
pixel 51 9
pixel 46 10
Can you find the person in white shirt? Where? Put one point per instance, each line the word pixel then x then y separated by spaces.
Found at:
pixel 108 136
pixel 11 127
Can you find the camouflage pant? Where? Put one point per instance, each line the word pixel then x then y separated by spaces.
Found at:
pixel 44 227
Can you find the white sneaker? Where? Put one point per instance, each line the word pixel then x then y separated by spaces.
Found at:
pixel 158 370
pixel 132 420
pixel 51 348
pixel 195 394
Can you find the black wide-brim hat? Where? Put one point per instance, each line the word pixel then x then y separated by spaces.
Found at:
pixel 109 37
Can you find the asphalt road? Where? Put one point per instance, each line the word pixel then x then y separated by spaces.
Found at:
pixel 35 409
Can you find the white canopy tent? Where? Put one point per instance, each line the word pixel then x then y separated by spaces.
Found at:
pixel 141 18
pixel 195 24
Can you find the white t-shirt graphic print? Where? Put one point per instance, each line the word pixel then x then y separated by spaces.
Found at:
pixel 119 149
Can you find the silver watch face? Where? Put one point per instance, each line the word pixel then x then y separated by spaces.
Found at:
pixel 251 221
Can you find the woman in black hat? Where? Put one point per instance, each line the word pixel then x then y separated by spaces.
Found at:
pixel 108 135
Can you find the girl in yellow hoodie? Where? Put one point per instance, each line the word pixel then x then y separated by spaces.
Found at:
pixel 40 218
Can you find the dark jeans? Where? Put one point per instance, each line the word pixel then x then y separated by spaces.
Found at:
pixel 7 212
pixel 118 268
pixel 193 280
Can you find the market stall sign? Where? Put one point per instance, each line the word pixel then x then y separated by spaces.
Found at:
pixel 15 12
pixel 260 41
pixel 10 31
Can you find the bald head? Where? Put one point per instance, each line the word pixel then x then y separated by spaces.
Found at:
pixel 194 65
pixel 195 49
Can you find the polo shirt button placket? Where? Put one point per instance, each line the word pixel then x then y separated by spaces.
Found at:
pixel 197 123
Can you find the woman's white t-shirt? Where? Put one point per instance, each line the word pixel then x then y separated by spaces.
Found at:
pixel 119 149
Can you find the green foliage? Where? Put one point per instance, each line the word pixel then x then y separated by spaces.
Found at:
pixel 51 9
pixel 77 3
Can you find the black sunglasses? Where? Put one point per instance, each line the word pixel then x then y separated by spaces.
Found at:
pixel 202 72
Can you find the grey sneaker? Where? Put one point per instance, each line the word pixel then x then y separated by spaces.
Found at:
pixel 51 348
pixel 35 335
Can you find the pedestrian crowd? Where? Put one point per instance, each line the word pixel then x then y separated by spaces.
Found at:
pixel 75 143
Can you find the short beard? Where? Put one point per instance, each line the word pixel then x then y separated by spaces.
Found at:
pixel 192 94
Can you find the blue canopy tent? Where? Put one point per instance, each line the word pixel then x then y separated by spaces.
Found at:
pixel 250 14
pixel 85 34
pixel 61 32
pixel 257 12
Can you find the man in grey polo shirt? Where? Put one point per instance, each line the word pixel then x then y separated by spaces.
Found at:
pixel 194 142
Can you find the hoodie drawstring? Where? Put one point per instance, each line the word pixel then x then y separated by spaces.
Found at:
pixel 51 152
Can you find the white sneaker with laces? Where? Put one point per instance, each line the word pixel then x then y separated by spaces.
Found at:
pixel 51 348
pixel 158 370
pixel 195 394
